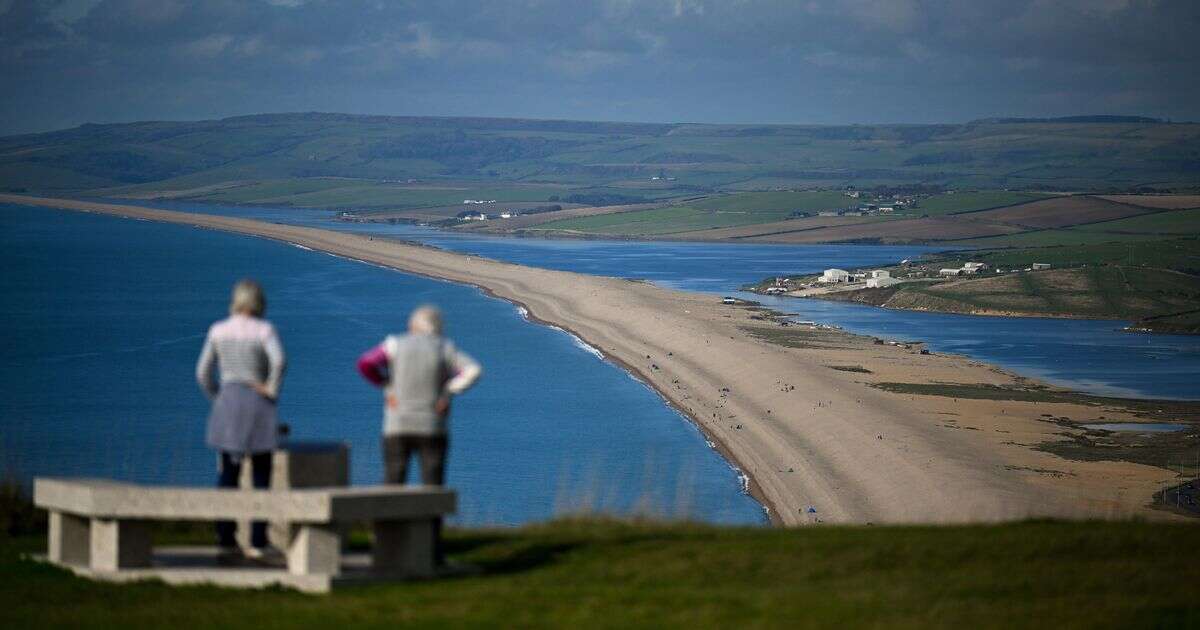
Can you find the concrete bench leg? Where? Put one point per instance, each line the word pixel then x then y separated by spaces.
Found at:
pixel 70 539
pixel 118 544
pixel 315 549
pixel 404 547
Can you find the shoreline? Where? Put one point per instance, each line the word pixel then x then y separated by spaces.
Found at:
pixel 851 475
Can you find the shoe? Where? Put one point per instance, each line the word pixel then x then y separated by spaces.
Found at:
pixel 263 555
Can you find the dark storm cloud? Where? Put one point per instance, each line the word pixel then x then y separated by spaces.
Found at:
pixel 825 61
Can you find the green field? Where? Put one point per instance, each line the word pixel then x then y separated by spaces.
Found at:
pixel 970 201
pixel 714 212
pixel 1102 292
pixel 1162 223
pixel 346 193
pixel 617 575
pixel 1181 254
pixel 1149 227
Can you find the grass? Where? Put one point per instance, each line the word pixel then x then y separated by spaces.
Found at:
pixel 1171 222
pixel 978 155
pixel 1149 227
pixel 1180 254
pixel 1104 292
pixel 971 201
pixel 617 574
pixel 335 193
pixel 714 212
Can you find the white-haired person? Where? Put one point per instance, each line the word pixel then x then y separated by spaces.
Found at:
pixel 243 422
pixel 418 372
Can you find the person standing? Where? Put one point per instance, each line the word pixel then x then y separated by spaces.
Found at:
pixel 243 422
pixel 419 372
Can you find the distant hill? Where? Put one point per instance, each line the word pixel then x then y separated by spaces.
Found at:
pixel 1089 152
pixel 1074 119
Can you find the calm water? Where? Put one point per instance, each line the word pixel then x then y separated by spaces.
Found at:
pixel 1138 427
pixel 1088 355
pixel 104 317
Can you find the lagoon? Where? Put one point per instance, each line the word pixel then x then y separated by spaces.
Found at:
pixel 1092 356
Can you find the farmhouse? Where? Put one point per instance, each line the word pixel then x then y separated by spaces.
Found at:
pixel 835 275
pixel 966 270
pixel 881 281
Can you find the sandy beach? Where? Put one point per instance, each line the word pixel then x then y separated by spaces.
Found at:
pixel 793 408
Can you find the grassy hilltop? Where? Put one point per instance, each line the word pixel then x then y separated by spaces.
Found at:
pixel 613 574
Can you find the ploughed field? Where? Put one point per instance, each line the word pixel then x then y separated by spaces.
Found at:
pixel 598 573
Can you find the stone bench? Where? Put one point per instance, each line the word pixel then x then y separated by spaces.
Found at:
pixel 101 528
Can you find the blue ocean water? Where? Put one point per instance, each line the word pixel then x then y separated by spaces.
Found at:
pixel 104 318
pixel 1093 356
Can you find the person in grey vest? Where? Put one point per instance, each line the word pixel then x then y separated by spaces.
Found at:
pixel 419 372
pixel 243 423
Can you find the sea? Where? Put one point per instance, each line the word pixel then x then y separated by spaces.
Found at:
pixel 104 318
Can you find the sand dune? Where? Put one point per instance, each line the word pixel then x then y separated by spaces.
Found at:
pixel 807 435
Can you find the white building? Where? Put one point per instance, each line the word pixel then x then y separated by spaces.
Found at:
pixel 881 273
pixel 880 282
pixel 1037 266
pixel 974 267
pixel 950 272
pixel 835 275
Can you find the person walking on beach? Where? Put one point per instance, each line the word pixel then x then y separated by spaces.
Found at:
pixel 418 372
pixel 243 423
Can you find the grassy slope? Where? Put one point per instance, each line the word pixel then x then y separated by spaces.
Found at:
pixel 714 212
pixel 1181 254
pixel 1108 292
pixel 173 155
pixel 592 574
pixel 971 201
pixel 1129 281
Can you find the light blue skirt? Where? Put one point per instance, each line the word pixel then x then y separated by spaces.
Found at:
pixel 242 421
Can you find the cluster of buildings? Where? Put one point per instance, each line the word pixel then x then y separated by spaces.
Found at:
pixel 483 216
pixel 875 279
pixel 974 268
pixel 863 210
pixel 880 278
pixel 968 269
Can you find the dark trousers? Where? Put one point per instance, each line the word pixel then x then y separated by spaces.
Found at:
pixel 431 449
pixel 399 449
pixel 229 474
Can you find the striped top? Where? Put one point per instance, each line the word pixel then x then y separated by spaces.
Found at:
pixel 247 351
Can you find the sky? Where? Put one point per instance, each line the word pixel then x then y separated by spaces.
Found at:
pixel 67 62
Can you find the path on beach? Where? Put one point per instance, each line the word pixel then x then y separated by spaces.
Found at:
pixel 807 435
